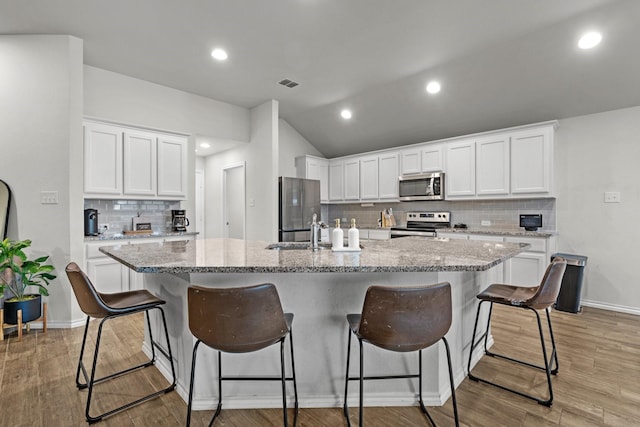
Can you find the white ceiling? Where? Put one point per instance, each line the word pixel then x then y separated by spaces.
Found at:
pixel 501 62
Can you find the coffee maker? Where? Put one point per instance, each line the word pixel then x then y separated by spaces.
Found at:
pixel 90 222
pixel 179 221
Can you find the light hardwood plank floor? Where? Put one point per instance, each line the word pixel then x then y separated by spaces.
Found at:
pixel 598 383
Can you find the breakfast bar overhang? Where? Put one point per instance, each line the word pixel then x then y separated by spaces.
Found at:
pixel 320 287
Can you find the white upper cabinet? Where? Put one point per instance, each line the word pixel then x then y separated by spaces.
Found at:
pixel 311 167
pixel 336 180
pixel 172 166
pixel 352 179
pixel 102 159
pixel 410 161
pixel 461 169
pixel 492 165
pixel 369 178
pixel 388 176
pixel 432 158
pixel 140 171
pixel 532 161
pixel 425 158
pixel 125 162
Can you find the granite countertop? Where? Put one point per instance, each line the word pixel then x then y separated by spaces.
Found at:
pixel 408 254
pixel 155 234
pixel 500 232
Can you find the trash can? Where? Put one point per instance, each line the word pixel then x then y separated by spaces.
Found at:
pixel 571 288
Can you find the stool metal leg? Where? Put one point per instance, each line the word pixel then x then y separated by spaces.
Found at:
pixel 293 374
pixel 548 360
pixel 345 407
pixel 91 381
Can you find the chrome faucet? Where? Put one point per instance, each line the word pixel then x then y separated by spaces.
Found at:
pixel 315 231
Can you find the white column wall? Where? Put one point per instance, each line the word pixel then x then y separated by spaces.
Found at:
pixel 594 154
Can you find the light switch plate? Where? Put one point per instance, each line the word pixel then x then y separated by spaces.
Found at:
pixel 49 197
pixel 485 223
pixel 612 197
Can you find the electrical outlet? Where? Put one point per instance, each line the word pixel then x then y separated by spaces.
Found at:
pixel 485 223
pixel 612 197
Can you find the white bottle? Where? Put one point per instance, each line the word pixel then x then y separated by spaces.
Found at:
pixel 337 236
pixel 354 235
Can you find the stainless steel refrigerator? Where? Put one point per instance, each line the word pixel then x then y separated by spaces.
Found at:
pixel 299 200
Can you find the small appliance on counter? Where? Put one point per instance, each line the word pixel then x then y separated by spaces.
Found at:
pixel 179 220
pixel 90 222
pixel 531 222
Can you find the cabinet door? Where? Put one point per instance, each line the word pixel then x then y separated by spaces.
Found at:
pixel 102 159
pixel 432 158
pixel 411 162
pixel 461 169
pixel 352 179
pixel 388 176
pixel 369 178
pixel 526 269
pixel 172 166
pixel 108 275
pixel 140 163
pixel 323 176
pixel 486 238
pixel 336 181
pixel 531 161
pixel 492 165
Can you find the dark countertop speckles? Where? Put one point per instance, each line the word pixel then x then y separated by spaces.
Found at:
pixel 501 232
pixel 121 236
pixel 407 254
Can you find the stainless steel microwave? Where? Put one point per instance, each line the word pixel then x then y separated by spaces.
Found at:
pixel 426 186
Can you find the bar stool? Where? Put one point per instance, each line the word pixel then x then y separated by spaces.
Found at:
pixel 401 319
pixel 530 298
pixel 109 306
pixel 240 320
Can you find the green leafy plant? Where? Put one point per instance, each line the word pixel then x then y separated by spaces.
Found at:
pixel 17 271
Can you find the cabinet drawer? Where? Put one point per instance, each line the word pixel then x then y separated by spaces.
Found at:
pixel 379 234
pixel 537 244
pixel 93 248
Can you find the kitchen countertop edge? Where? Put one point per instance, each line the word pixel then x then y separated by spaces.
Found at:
pixel 155 235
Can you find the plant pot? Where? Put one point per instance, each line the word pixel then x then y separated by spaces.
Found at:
pixel 31 310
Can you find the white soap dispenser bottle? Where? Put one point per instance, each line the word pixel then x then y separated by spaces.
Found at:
pixel 337 236
pixel 354 235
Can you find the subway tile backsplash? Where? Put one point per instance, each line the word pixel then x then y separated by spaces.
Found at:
pixel 503 214
pixel 119 213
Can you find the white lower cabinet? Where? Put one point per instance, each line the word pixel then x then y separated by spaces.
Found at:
pixel 526 268
pixel 107 274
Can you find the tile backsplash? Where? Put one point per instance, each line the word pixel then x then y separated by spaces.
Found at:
pixel 502 214
pixel 119 213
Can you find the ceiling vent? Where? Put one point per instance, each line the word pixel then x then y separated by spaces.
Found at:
pixel 288 83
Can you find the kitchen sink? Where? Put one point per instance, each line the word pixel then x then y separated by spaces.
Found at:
pixel 287 246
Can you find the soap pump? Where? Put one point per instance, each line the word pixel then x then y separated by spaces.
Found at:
pixel 354 235
pixel 337 236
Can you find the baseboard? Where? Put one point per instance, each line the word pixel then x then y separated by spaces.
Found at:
pixel 612 307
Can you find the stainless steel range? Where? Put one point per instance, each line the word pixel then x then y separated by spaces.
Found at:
pixel 422 224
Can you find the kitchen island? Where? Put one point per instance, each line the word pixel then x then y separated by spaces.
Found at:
pixel 320 288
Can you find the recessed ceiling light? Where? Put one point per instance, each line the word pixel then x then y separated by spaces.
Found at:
pixel 219 54
pixel 346 114
pixel 589 40
pixel 205 145
pixel 433 87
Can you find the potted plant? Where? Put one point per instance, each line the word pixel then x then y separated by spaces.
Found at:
pixel 17 273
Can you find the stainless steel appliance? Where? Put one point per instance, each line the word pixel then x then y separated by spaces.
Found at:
pixel 426 186
pixel 179 220
pixel 424 224
pixel 90 222
pixel 299 200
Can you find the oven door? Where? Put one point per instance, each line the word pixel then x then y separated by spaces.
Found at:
pixel 395 233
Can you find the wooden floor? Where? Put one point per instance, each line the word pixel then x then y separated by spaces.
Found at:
pixel 598 383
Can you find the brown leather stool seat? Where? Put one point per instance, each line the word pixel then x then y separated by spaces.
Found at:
pixel 401 319
pixel 240 320
pixel 530 298
pixel 108 306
